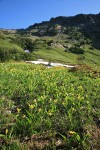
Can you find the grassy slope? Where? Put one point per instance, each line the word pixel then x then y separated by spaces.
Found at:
pixel 57 55
pixel 48 105
pixel 92 57
pixel 7 44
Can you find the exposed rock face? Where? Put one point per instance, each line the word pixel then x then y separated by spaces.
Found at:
pixel 58 24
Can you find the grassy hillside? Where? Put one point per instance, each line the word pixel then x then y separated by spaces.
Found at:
pixel 51 108
pixel 45 108
pixel 57 49
pixel 12 47
pixel 71 40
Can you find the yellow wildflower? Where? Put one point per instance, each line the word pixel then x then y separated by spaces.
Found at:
pixel 80 87
pixel 79 96
pixel 55 100
pixel 73 109
pixel 35 100
pixel 31 106
pixel 50 114
pixel 24 116
pixel 63 103
pixel 18 110
pixel 6 131
pixel 71 132
pixel 39 109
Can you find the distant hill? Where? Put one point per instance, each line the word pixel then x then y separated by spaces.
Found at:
pixel 88 25
pixel 60 24
pixel 72 40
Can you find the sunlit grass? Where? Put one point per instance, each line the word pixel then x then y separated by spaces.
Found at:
pixel 36 99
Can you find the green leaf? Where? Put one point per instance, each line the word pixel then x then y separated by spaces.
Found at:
pixel 64 137
pixel 2 135
pixel 78 138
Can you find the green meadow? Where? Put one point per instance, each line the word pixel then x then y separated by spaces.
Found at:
pixel 53 108
pixel 48 108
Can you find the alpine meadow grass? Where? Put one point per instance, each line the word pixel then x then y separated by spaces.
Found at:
pixel 54 107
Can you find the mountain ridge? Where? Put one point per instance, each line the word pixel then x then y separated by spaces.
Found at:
pixel 69 40
pixel 72 21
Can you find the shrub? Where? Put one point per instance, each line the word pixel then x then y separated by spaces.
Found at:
pixel 4 54
pixel 76 50
pixel 13 52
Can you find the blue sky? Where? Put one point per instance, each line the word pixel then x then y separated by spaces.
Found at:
pixel 22 13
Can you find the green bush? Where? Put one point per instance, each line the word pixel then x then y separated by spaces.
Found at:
pixel 4 54
pixel 76 50
pixel 25 43
pixel 10 52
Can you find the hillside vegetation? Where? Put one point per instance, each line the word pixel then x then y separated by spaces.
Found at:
pixel 51 108
pixel 71 40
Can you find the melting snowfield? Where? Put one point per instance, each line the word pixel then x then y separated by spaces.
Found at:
pixel 49 64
